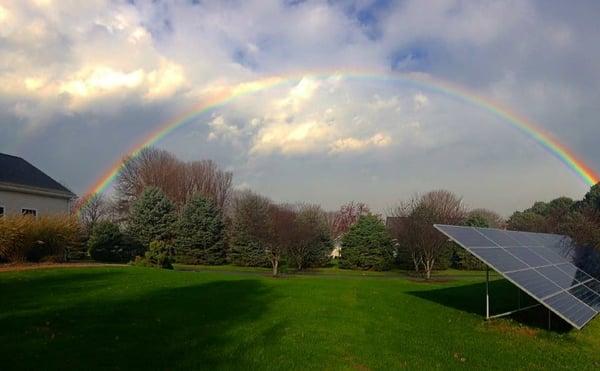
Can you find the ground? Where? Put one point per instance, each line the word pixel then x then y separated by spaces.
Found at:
pixel 144 318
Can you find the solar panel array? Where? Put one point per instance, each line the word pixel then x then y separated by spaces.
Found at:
pixel 539 264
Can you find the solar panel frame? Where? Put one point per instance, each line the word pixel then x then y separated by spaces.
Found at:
pixel 544 257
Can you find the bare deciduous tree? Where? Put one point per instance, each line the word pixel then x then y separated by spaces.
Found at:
pixel 421 212
pixel 283 233
pixel 348 214
pixel 92 209
pixel 177 179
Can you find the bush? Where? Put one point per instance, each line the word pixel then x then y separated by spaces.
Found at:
pixel 367 245
pixel 200 233
pixel 157 256
pixel 46 238
pixel 108 244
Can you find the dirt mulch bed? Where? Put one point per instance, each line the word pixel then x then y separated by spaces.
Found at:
pixel 11 267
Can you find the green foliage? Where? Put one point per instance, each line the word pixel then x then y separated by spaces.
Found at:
pixel 367 245
pixel 157 256
pixel 152 217
pixel 476 221
pixel 250 231
pixel 46 238
pixel 528 221
pixel 108 244
pixel 200 233
pixel 592 198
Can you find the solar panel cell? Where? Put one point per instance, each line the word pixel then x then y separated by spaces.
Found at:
pixel 467 235
pixel 528 256
pixel 534 283
pixel 594 285
pixel 548 254
pixel 500 237
pixel 567 306
pixel 557 276
pixel 498 258
pixel 574 272
pixel 587 296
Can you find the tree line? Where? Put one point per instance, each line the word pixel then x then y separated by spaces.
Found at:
pixel 165 210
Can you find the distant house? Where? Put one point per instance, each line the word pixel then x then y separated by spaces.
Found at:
pixel 25 189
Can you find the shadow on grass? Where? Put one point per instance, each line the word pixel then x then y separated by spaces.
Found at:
pixel 504 297
pixel 198 326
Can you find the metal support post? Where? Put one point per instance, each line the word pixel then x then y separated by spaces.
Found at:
pixel 487 293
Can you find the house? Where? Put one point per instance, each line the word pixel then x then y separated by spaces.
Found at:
pixel 25 189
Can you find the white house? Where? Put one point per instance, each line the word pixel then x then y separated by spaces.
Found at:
pixel 25 189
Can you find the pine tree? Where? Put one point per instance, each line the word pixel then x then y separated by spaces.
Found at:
pixel 367 245
pixel 249 233
pixel 152 217
pixel 200 233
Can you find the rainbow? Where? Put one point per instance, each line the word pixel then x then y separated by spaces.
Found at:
pixel 225 95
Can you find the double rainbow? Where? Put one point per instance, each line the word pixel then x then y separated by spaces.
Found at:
pixel 226 95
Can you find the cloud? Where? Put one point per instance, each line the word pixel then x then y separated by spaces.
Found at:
pixel 356 145
pixel 420 100
pixel 74 74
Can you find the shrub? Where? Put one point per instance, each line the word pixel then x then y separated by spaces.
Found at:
pixel 108 244
pixel 200 233
pixel 157 256
pixel 46 238
pixel 367 245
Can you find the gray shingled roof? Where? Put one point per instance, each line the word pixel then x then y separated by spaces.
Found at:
pixel 16 171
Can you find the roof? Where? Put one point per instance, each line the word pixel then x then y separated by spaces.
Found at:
pixel 16 171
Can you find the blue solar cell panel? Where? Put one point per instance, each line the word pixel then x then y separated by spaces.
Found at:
pixel 570 308
pixel 466 236
pixel 528 256
pixel 587 296
pixel 498 258
pixel 557 276
pixel 548 254
pixel 594 285
pixel 534 283
pixel 574 272
pixel 500 237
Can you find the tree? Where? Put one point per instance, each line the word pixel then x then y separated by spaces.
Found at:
pixel 200 233
pixel 592 198
pixel 421 212
pixel 491 218
pixel 179 180
pixel 312 243
pixel 250 230
pixel 367 245
pixel 108 244
pixel 91 210
pixel 348 214
pixel 152 217
pixel 282 230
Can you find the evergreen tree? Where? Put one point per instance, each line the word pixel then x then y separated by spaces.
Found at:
pixel 200 233
pixel 250 231
pixel 152 217
pixel 367 245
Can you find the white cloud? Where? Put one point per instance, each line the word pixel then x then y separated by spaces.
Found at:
pixel 420 100
pixel 356 144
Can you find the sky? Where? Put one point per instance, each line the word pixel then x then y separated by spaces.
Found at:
pixel 82 81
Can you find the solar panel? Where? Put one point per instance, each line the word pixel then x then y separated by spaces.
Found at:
pixel 540 264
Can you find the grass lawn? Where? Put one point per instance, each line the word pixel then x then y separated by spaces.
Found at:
pixel 142 318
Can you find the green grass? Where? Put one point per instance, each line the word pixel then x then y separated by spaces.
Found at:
pixel 141 318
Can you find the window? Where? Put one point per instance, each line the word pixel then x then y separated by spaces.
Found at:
pixel 32 212
pixel 1 211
